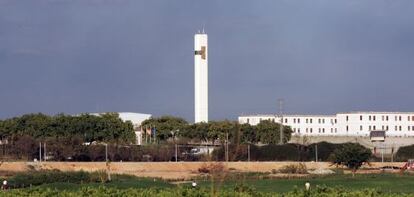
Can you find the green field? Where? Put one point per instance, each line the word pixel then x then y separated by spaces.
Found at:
pixel 388 183
pixel 75 182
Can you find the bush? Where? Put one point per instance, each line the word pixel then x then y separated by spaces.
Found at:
pixel 294 169
pixel 405 153
pixel 212 168
pixel 285 152
pixel 43 177
pixel 240 190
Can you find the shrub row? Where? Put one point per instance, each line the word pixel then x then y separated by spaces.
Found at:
pixel 405 153
pixel 243 191
pixel 286 152
pixel 52 176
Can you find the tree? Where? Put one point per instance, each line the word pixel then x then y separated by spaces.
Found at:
pixel 248 134
pixel 353 156
pixel 268 132
pixel 198 131
pixel 219 130
pixel 165 126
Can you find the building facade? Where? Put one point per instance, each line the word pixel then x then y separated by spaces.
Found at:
pixel 342 124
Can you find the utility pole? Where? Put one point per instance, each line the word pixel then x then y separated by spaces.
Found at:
pixel 176 154
pixel 248 152
pixel 280 101
pixel 44 151
pixel 227 147
pixel 316 152
pixel 40 151
pixel 106 152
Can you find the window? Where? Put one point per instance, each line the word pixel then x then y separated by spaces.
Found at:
pixel 331 130
pixel 386 128
pixel 386 118
pixel 323 121
pixel 369 128
pixel 294 120
pixel 298 120
pixel 311 130
pixel 396 128
pixel 347 118
pixel 374 127
pixel 319 130
pixel 412 128
pixel 310 120
pixel 247 121
pixel 306 120
pixel 360 117
pixel 382 118
pixel 382 127
pixel 306 130
pixel 400 128
pixel 360 127
pixel 336 121
pixel 395 118
pixel 319 121
pixel 347 128
pixel 298 130
pixel 323 130
pixel 336 130
pixel 409 128
pixel 286 120
pixel 399 118
pixel 369 117
pixel 273 120
pixel 373 118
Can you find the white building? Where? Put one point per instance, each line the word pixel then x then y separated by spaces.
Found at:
pixel 200 77
pixel 343 124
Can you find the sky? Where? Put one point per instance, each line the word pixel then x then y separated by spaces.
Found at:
pixel 319 56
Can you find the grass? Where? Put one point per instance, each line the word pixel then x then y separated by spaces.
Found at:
pixel 118 182
pixel 390 183
pixel 382 182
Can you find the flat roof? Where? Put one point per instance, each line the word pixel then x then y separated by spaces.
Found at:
pixel 324 115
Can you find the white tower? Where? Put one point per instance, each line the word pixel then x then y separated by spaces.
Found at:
pixel 201 77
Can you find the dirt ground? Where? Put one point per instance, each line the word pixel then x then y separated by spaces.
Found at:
pixel 165 170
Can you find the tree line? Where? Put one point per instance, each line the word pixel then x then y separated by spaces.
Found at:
pixel 106 127
pixel 169 127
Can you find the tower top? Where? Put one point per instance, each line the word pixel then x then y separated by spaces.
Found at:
pixel 201 31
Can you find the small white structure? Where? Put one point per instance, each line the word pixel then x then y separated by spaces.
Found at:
pixel 200 78
pixel 343 124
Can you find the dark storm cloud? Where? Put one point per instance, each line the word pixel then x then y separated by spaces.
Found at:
pixel 321 56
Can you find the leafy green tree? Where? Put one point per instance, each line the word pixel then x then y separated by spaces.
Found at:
pixel 353 156
pixel 165 126
pixel 218 130
pixel 248 133
pixel 268 132
pixel 197 131
pixel 106 127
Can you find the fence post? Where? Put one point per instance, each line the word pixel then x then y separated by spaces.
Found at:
pixel 248 152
